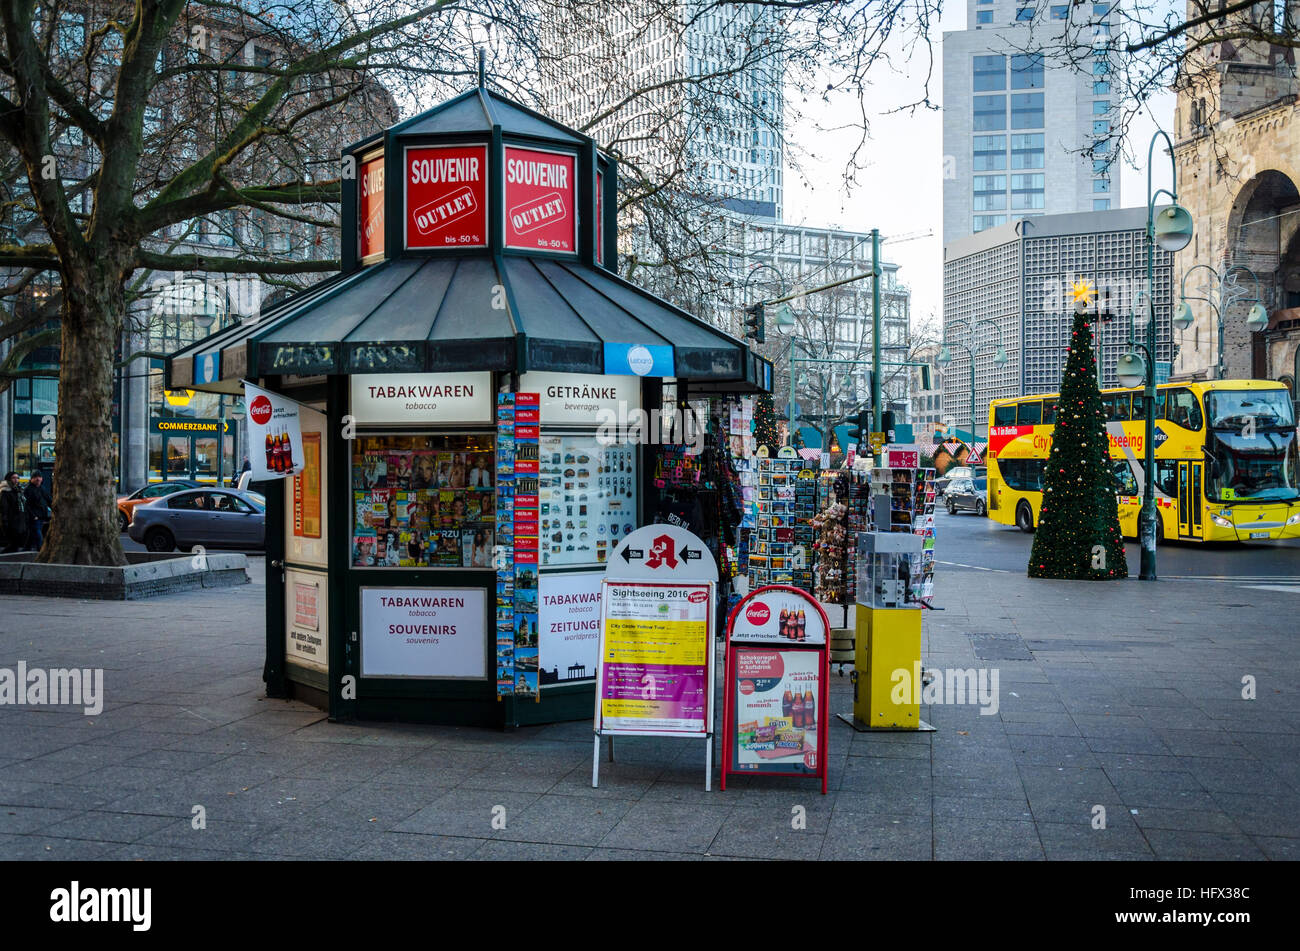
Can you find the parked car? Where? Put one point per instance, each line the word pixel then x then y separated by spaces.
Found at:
pixel 952 475
pixel 968 495
pixel 142 496
pixel 213 518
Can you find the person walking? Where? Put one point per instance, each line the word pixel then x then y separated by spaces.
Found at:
pixel 13 514
pixel 38 501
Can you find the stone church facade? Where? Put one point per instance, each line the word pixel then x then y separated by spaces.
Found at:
pixel 1237 153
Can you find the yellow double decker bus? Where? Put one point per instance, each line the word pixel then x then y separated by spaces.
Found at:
pixel 1225 459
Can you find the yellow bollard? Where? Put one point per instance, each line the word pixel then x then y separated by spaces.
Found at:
pixel 888 662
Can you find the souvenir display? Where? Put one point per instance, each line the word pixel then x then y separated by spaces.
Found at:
pixel 423 501
pixel 781 544
pixel 587 498
pixel 504 560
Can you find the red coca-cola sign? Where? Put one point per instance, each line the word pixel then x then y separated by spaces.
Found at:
pixel 260 410
pixel 758 614
pixel 446 196
pixel 370 208
pixel 540 203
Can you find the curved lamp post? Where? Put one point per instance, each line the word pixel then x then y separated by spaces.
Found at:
pixel 1171 229
pixel 945 358
pixel 1256 320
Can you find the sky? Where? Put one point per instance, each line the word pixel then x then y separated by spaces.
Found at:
pixel 901 190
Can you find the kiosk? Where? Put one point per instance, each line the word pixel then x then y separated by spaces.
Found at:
pixel 487 269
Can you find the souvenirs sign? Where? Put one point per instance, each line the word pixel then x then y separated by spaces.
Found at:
pixel 775 692
pixel 446 196
pixel 424 632
pixel 540 200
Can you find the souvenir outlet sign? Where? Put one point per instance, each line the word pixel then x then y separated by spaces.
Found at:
pixel 370 210
pixel 541 200
pixel 776 687
pixel 446 196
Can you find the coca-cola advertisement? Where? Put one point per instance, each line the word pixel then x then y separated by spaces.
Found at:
pixel 446 196
pixel 274 434
pixel 541 210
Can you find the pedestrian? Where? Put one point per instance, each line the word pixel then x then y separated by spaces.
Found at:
pixel 38 501
pixel 13 514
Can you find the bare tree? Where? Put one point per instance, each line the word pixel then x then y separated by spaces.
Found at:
pixel 127 127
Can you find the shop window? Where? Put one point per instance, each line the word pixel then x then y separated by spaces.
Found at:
pixel 587 498
pixel 423 501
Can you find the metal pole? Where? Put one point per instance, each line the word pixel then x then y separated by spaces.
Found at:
pixel 876 419
pixel 972 397
pixel 1148 515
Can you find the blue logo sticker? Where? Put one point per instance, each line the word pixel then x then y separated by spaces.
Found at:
pixel 638 359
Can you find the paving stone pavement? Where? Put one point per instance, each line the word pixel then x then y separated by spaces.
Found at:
pixel 1123 697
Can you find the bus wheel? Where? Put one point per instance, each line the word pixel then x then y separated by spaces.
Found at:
pixel 1025 518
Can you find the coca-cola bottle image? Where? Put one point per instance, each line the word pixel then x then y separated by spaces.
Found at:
pixel 787 703
pixel 796 709
pixel 785 618
pixel 809 717
pixel 270 451
pixel 287 452
pixel 801 624
pixel 277 454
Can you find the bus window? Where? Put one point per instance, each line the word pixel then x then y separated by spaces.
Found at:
pixel 1004 415
pixel 1139 406
pixel 1049 412
pixel 1125 483
pixel 1022 475
pixel 1182 408
pixel 1115 406
pixel 1167 478
pixel 1030 413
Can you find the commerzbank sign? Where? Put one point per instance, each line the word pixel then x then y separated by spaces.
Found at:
pixel 212 426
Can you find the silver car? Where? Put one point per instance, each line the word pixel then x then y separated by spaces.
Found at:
pixel 213 518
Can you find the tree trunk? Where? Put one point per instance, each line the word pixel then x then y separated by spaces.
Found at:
pixel 84 528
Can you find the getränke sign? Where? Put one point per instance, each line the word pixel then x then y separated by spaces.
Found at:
pixel 422 397
pixel 580 397
pixel 446 196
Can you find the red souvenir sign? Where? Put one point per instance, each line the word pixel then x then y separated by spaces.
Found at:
pixel 446 196
pixel 370 209
pixel 600 218
pixel 540 203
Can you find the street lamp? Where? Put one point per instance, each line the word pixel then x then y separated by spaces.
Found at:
pixel 1256 320
pixel 999 358
pixel 1172 230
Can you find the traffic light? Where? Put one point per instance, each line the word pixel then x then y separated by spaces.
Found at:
pixel 754 323
pixel 925 377
pixel 860 429
pixel 887 424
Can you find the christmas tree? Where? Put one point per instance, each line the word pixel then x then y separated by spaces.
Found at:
pixel 1078 527
pixel 765 424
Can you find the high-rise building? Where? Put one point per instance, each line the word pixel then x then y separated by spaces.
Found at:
pixel 1026 133
pixel 1021 277
pixel 710 96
